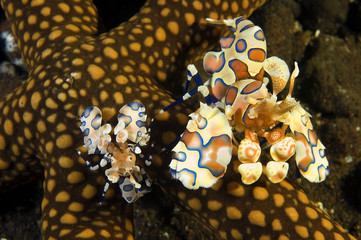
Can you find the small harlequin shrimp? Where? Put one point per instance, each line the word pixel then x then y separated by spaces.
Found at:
pixel 130 134
pixel 238 88
pixel 131 124
pixel 91 128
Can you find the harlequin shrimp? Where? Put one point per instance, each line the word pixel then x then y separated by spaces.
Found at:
pixel 130 135
pixel 238 100
pixel 208 138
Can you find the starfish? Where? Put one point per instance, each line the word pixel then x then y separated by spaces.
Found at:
pixel 71 67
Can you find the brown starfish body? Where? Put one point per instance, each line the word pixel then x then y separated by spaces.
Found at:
pixel 71 68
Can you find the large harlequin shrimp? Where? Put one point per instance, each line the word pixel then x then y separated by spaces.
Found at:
pixel 310 152
pixel 241 57
pixel 261 114
pixel 238 87
pixel 132 180
pixel 207 140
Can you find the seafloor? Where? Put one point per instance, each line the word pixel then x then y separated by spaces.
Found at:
pixel 324 37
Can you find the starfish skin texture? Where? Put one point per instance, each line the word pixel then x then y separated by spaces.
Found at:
pixel 72 67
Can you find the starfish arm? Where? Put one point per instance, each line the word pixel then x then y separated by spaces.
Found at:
pixel 17 149
pixel 178 32
pixel 41 26
pixel 71 206
pixel 31 23
pixel 42 31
